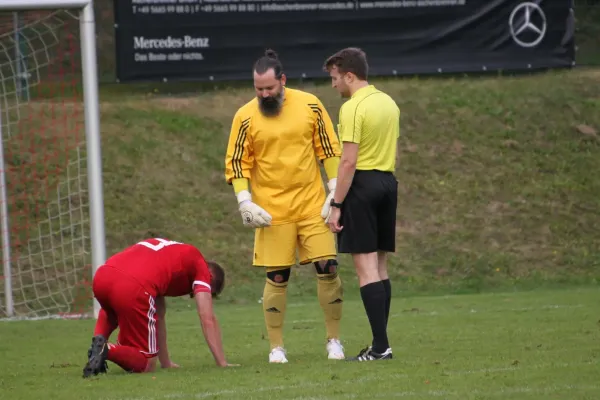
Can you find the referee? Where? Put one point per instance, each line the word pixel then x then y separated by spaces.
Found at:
pixel 363 209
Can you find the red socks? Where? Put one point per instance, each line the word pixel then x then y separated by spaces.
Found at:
pixel 105 324
pixel 128 358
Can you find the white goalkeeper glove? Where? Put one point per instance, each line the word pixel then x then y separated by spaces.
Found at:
pixel 326 209
pixel 253 216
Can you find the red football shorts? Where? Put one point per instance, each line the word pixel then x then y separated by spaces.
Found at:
pixel 133 307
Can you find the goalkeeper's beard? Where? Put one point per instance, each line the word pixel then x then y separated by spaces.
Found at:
pixel 271 106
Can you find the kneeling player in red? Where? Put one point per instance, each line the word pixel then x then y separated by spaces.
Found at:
pixel 131 288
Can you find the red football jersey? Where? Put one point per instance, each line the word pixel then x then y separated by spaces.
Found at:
pixel 164 267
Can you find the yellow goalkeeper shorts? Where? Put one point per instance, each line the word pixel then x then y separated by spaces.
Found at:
pixel 276 245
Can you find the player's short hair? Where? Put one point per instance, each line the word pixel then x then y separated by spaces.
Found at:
pixel 270 60
pixel 350 59
pixel 218 278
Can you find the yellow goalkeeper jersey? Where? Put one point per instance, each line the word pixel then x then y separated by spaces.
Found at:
pixel 280 155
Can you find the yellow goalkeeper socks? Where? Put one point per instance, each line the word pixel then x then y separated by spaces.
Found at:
pixel 274 304
pixel 330 292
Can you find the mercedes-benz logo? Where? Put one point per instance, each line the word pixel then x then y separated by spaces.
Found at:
pixel 527 24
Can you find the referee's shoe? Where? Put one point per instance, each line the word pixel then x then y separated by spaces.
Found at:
pixel 367 354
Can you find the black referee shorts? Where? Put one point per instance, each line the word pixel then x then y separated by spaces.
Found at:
pixel 368 213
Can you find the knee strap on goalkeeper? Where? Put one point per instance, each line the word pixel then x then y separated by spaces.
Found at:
pixel 327 267
pixel 278 276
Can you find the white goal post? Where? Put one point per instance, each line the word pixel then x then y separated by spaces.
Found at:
pixel 68 226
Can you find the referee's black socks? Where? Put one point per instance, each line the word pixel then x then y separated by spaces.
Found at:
pixel 374 297
pixel 388 299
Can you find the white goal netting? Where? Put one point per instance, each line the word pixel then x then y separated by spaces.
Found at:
pixel 46 263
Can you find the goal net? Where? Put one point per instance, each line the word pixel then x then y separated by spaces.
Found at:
pixel 44 196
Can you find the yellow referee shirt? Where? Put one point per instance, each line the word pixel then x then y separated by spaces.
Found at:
pixel 371 118
pixel 279 155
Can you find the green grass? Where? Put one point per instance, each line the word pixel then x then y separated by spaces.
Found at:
pixel 497 181
pixel 498 187
pixel 533 345
pixel 498 193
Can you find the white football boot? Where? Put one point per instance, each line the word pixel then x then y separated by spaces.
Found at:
pixel 335 350
pixel 277 356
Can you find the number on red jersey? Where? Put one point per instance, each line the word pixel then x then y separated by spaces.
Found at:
pixel 161 245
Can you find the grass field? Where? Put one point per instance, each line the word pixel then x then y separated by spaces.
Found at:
pixel 533 345
pixel 495 280
pixel 499 196
pixel 497 181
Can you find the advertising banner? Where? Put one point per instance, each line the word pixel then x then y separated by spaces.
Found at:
pixel 220 39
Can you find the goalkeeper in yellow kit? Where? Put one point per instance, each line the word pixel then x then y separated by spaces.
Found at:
pixel 276 142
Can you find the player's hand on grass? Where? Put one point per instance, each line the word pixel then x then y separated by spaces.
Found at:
pixel 253 216
pixel 169 364
pixel 225 364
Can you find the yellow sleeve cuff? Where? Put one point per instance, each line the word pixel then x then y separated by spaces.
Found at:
pixel 331 165
pixel 239 184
